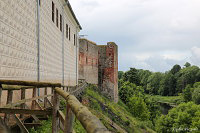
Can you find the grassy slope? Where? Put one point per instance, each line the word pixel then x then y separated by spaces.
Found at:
pixel 104 108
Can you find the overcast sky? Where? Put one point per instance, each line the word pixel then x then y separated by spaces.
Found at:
pixel 151 34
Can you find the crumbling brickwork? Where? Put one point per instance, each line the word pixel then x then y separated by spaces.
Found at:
pixel 108 70
pixel 104 72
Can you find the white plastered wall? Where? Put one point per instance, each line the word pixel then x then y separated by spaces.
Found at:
pixel 18 42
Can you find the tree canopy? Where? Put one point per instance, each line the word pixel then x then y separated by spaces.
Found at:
pixel 184 118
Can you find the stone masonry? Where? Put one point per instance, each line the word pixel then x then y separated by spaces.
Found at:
pixel 104 73
pixel 88 61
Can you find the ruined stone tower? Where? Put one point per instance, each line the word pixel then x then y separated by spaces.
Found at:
pixel 98 64
pixel 108 70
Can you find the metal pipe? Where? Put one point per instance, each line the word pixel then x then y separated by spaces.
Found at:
pixel 63 62
pixel 38 42
pixel 76 57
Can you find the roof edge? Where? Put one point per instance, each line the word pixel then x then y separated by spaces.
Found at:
pixel 73 14
pixel 88 41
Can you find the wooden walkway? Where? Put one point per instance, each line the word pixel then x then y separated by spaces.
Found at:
pixel 14 113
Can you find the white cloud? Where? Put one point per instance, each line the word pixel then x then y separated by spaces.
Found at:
pixel 165 32
pixel 195 58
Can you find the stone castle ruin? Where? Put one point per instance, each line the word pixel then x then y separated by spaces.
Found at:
pixel 98 64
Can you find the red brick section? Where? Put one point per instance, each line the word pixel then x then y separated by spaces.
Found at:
pixel 109 77
pixel 109 71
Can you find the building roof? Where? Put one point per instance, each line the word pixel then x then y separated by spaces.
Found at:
pixel 73 14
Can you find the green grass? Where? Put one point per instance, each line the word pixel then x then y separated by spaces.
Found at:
pixel 45 128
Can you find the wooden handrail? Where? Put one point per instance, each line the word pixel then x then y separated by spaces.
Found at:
pixel 79 88
pixel 90 122
pixel 10 105
pixel 15 87
pixel 29 83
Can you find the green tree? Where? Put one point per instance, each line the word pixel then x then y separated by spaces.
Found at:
pixel 120 74
pixel 187 93
pixel 120 83
pixel 154 83
pixel 153 108
pixel 185 116
pixel 196 95
pixel 126 91
pixel 192 94
pixel 132 76
pixel 167 85
pixel 196 85
pixel 187 64
pixel 176 68
pixel 143 76
pixel 188 75
pixel 138 108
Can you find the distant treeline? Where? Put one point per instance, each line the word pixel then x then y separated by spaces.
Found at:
pixel 170 83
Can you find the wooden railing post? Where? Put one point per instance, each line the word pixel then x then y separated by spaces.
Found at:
pixel 55 117
pixel 52 91
pixel 9 100
pixel 45 99
pixel 0 93
pixel 23 93
pixel 69 118
pixel 34 95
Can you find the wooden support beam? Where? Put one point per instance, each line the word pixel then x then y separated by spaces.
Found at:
pixel 30 125
pixel 49 102
pixel 61 119
pixel 23 93
pixel 29 83
pixel 5 127
pixel 20 124
pixel 34 116
pixel 9 100
pixel 39 106
pixel 11 105
pixel 55 120
pixel 0 93
pixel 33 106
pixel 52 91
pixel 25 111
pixel 45 99
pixel 10 96
pixel 61 116
pixel 68 120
